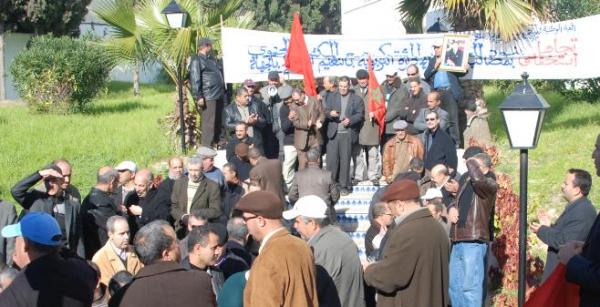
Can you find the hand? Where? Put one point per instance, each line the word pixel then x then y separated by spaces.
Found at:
pixel 319 125
pixel 200 103
pixel 45 173
pixel 365 265
pixel 309 123
pixel 334 113
pixel 123 209
pixel 438 62
pixel 453 215
pixel 292 115
pixel 452 186
pixel 346 122
pixel 135 210
pixel 535 227
pixel 371 115
pixel 568 250
pixel 544 218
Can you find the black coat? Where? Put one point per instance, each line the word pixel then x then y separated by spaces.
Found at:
pixel 155 206
pixel 355 111
pixel 206 79
pixel 97 207
pixel 34 200
pixel 442 150
pixel 166 284
pixel 233 142
pixel 52 281
pixel 584 269
pixel 231 116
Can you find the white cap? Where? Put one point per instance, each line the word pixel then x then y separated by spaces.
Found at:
pixel 432 193
pixel 127 166
pixel 308 206
pixel 438 42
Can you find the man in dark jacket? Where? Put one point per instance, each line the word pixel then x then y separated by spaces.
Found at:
pixel 49 278
pixel 208 88
pixel 439 148
pixel 53 201
pixel 97 207
pixel 8 216
pixel 246 111
pixel 194 191
pixel 395 93
pixel 240 136
pixel 366 154
pixel 315 181
pixel 573 224
pixel 146 204
pixel 344 113
pixel 471 217
pixel 583 258
pixel 163 281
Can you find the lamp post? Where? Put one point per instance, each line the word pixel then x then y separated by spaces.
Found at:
pixel 176 18
pixel 523 113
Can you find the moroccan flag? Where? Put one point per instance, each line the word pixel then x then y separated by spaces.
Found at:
pixel 297 59
pixel 376 99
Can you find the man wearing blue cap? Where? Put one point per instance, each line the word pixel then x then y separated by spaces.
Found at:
pixel 48 278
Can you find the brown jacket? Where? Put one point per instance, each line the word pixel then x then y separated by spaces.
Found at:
pixel 207 198
pixel 166 283
pixel 477 225
pixel 414 267
pixel 109 262
pixel 479 130
pixel 268 174
pixel 283 274
pixel 389 155
pixel 306 137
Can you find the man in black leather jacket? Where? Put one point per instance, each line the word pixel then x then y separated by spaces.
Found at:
pixel 208 88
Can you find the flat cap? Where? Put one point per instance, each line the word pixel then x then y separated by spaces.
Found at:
pixel 400 125
pixel 273 76
pixel 401 190
pixel 284 92
pixel 261 203
pixel 206 152
pixel 438 42
pixel 362 74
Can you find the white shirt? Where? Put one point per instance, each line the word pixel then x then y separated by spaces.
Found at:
pixel 267 237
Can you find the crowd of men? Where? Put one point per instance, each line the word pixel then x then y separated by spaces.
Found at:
pixel 262 229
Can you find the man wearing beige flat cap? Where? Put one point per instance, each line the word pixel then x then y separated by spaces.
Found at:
pixel 283 274
pixel 414 268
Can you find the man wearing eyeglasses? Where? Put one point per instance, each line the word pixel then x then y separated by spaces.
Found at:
pixel 439 147
pixel 412 72
pixel 269 284
pixel 433 104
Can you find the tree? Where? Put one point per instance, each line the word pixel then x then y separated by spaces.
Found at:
pixel 150 35
pixel 318 16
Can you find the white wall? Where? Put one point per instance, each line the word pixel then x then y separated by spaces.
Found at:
pixel 13 44
pixel 375 18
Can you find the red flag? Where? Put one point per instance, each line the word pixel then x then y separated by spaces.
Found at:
pixel 555 291
pixel 376 99
pixel 297 59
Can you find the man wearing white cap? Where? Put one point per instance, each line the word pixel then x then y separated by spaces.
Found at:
pixel 433 199
pixel 48 278
pixel 394 93
pixel 333 249
pixel 127 170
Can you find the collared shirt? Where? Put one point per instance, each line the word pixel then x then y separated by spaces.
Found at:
pixel 267 237
pixel 121 253
pixel 441 80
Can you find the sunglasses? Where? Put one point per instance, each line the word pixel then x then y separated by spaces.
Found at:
pixel 430 119
pixel 247 218
pixel 410 75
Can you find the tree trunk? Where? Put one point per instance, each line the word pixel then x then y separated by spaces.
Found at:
pixel 2 88
pixel 136 79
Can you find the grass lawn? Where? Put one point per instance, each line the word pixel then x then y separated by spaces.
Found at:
pixel 117 127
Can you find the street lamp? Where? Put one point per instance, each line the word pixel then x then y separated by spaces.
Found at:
pixel 523 113
pixel 176 18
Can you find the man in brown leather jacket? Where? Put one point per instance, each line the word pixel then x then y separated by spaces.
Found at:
pixel 472 218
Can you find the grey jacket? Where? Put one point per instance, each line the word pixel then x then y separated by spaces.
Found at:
pixel 420 125
pixel 8 216
pixel 338 255
pixel 369 131
pixel 314 181
pixel 573 224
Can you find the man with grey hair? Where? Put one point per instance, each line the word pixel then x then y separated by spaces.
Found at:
pixel 333 249
pixel 316 181
pixel 7 275
pixel 194 192
pixel 237 258
pixel 169 282
pixel 116 255
pixel 472 217
pixel 97 207
pixel 208 90
pixel 69 189
pixel 146 204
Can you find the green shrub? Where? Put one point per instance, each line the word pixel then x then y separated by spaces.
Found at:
pixel 60 74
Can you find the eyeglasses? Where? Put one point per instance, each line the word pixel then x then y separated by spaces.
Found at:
pixel 430 119
pixel 247 218
pixel 410 75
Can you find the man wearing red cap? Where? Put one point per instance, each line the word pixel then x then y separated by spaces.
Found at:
pixel 414 268
pixel 283 274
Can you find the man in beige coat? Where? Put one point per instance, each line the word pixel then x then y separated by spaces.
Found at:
pixel 116 255
pixel 283 274
pixel 307 116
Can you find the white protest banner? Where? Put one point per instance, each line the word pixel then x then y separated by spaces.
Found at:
pixel 560 50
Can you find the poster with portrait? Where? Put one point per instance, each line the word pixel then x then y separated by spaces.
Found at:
pixel 455 52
